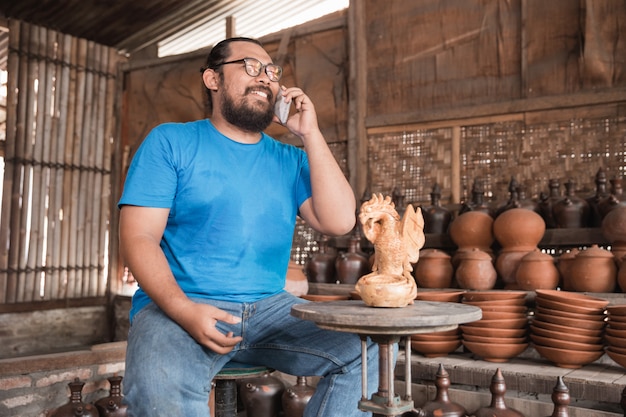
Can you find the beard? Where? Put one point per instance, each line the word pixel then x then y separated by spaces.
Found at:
pixel 245 116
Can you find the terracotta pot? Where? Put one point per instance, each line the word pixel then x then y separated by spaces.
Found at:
pixel 507 263
pixel 476 270
pixel 621 275
pixel 519 229
pixel 473 229
pixel 434 269
pixel 537 271
pixel 614 230
pixel 594 270
pixel 564 264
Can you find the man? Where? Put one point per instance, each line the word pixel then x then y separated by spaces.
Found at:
pixel 206 224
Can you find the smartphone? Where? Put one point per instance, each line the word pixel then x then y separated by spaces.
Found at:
pixel 281 109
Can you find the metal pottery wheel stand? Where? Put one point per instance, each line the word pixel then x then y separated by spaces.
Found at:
pixel 386 326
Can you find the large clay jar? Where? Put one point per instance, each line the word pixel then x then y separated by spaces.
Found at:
pixel 472 229
pixel 537 271
pixel 571 211
pixel 76 407
pixel 262 395
pixel 564 265
pixel 436 218
pixel 594 270
pixel 519 229
pixel 353 264
pixel 614 230
pixel 320 267
pixel 295 398
pixel 112 406
pixel 476 270
pixel 433 269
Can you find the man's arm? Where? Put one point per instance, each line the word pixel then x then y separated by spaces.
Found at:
pixel 141 229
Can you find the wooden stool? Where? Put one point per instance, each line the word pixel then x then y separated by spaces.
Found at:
pixel 223 400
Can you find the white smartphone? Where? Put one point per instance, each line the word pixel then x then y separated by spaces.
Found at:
pixel 281 109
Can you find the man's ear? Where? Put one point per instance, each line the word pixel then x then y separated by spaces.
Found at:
pixel 211 79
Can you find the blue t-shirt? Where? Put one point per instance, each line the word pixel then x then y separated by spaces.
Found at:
pixel 233 208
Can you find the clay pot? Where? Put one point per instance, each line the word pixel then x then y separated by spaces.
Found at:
pixel 76 406
pixel 476 270
pixel 594 270
pixel 352 265
pixel 519 229
pixel 434 269
pixel 571 211
pixel 621 275
pixel 564 265
pixel 614 230
pixel 113 406
pixel 262 395
pixel 436 218
pixel 320 267
pixel 537 271
pixel 507 264
pixel 295 398
pixel 473 229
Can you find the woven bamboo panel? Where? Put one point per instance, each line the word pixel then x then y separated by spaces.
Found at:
pixel 410 162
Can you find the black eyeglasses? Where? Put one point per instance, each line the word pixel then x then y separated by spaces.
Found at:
pixel 254 67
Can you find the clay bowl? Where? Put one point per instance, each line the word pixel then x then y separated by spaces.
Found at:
pixel 433 349
pixel 619 358
pixel 615 332
pixel 501 323
pixel 573 298
pixel 437 336
pixel 324 297
pixel 492 332
pixel 570 307
pixel 614 318
pixel 616 310
pixel 493 295
pixel 443 296
pixel 503 308
pixel 495 315
pixel 575 323
pixel 495 352
pixel 452 332
pixel 561 313
pixel 483 339
pixel 565 336
pixel 566 358
pixel 507 302
pixel 617 349
pixel 565 344
pixel 615 341
pixel 619 325
pixel 566 329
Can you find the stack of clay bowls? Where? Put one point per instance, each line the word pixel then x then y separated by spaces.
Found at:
pixel 615 333
pixel 568 327
pixel 436 344
pixel 501 334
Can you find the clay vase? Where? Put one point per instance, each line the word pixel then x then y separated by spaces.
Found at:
pixel 442 405
pixel 476 270
pixel 112 405
pixel 436 218
pixel 498 407
pixel 594 201
pixel 433 269
pixel 262 395
pixel 614 230
pixel 472 229
pixel 477 202
pixel 571 211
pixel 547 201
pixel 320 267
pixel 295 398
pixel 560 399
pixel 537 271
pixel 621 275
pixel 76 407
pixel 353 264
pixel 564 265
pixel 594 270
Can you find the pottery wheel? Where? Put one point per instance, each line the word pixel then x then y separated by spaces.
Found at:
pixel 354 316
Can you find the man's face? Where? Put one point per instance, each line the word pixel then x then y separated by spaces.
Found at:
pixel 247 102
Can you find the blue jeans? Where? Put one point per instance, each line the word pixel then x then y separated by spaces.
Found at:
pixel 169 374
